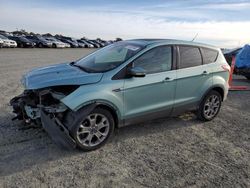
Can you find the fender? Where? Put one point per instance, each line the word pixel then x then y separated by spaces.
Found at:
pixel 99 102
pixel 101 94
pixel 212 88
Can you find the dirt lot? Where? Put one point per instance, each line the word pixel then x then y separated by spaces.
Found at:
pixel 176 152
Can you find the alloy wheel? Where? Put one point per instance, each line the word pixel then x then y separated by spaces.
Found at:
pixel 93 130
pixel 211 106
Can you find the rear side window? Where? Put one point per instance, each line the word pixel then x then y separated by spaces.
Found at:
pixel 156 60
pixel 189 56
pixel 209 55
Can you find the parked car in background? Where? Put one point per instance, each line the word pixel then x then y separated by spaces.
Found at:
pixel 73 43
pixel 56 43
pixel 229 53
pixel 1 43
pixel 81 44
pixel 109 42
pixel 81 103
pixel 102 42
pixel 73 40
pixel 96 44
pixel 22 41
pixel 88 44
pixel 99 42
pixel 40 41
pixel 8 42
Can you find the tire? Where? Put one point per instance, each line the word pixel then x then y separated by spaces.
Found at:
pixel 248 77
pixel 209 106
pixel 86 133
pixel 54 46
pixel 21 45
pixel 40 45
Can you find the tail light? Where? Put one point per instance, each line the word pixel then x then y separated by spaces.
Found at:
pixel 226 68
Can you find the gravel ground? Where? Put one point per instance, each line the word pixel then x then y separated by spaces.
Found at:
pixel 171 152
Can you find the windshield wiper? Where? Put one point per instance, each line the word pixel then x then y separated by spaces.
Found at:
pixel 80 67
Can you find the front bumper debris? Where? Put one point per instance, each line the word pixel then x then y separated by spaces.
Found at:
pixel 44 109
pixel 57 131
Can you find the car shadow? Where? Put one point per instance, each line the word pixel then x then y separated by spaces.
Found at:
pixel 23 147
pixel 156 126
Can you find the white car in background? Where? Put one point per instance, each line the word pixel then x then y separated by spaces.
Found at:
pixel 7 42
pixel 57 43
pixel 1 43
pixel 67 45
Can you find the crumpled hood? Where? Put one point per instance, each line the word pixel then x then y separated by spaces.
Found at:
pixel 56 75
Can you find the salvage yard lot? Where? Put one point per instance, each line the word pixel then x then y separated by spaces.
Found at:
pixel 171 152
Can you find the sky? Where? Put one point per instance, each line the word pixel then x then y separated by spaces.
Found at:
pixel 223 23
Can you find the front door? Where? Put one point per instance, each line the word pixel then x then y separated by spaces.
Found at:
pixel 153 95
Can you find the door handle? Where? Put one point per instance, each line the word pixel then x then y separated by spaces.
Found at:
pixel 205 73
pixel 167 79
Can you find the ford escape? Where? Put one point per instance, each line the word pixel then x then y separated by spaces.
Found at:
pixel 80 103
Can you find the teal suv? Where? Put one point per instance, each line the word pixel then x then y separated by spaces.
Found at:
pixel 81 103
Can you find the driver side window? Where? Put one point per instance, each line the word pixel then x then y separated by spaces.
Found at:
pixel 156 60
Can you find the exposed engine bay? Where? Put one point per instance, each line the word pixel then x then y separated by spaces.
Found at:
pixel 43 107
pixel 29 104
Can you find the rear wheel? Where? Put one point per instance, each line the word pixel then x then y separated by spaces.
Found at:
pixel 40 45
pixel 248 77
pixel 210 106
pixel 94 130
pixel 54 46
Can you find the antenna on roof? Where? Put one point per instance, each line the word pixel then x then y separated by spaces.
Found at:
pixel 195 37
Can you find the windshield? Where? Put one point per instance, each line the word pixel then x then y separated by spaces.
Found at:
pixel 41 38
pixel 24 39
pixel 109 57
pixel 74 40
pixel 2 37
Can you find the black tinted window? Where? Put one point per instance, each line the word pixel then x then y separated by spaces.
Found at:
pixel 158 59
pixel 209 55
pixel 30 37
pixel 189 56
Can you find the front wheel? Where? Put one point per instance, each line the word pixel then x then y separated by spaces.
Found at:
pixel 94 130
pixel 210 106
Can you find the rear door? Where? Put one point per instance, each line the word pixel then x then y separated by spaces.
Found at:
pixel 154 93
pixel 193 78
pixel 209 58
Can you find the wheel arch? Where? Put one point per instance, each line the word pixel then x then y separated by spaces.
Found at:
pixel 108 106
pixel 220 89
pixel 111 110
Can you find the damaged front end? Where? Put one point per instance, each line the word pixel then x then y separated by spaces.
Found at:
pixel 43 107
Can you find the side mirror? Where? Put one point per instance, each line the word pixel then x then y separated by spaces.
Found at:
pixel 137 72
